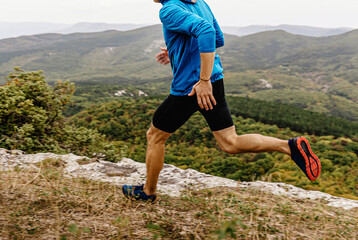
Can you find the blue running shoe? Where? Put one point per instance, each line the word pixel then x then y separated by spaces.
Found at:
pixel 137 193
pixel 303 156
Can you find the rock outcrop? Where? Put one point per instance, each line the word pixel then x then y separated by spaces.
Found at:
pixel 172 180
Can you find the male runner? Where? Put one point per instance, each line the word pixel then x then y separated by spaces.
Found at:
pixel 192 35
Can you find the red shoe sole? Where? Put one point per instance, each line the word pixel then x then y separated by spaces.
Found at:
pixel 313 165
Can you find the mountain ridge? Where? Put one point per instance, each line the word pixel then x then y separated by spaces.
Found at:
pixel 293 29
pixel 17 29
pixel 325 66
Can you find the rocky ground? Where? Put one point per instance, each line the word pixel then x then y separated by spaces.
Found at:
pixel 173 181
pixel 48 196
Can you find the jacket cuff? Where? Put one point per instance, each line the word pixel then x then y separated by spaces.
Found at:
pixel 207 42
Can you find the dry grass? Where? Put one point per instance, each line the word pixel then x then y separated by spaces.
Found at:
pixel 46 205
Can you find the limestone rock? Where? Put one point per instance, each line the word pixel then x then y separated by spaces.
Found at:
pixel 292 191
pixel 172 181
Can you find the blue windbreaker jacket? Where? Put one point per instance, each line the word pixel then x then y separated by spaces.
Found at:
pixel 190 28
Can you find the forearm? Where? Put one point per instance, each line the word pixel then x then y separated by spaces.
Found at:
pixel 207 64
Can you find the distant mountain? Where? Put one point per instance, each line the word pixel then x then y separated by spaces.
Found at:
pixel 17 29
pixel 87 56
pixel 294 29
pixel 315 73
pixel 12 30
pixel 99 27
pixel 280 47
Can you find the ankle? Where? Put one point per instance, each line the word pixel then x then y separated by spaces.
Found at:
pixel 285 148
pixel 148 191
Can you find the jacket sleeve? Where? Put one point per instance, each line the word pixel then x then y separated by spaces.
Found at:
pixel 176 19
pixel 219 35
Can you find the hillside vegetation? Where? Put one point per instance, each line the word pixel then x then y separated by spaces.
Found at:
pixel 125 123
pixel 31 118
pixel 318 74
pixel 283 115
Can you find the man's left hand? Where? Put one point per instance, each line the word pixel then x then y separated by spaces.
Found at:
pixel 163 57
pixel 204 94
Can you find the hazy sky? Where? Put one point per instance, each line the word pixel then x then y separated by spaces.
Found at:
pixel 320 13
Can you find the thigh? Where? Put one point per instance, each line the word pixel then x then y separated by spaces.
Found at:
pixel 174 112
pixel 219 117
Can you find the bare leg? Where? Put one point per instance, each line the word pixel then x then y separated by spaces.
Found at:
pixel 154 157
pixel 231 143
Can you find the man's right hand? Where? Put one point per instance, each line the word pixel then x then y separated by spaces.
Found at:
pixel 163 57
pixel 204 94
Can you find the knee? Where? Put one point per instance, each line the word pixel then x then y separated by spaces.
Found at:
pixel 229 147
pixel 156 136
pixel 150 135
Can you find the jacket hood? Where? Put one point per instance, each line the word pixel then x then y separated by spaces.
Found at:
pixel 189 1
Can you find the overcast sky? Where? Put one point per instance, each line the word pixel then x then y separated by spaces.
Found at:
pixel 320 13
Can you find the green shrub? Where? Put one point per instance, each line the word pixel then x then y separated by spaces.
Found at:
pixel 31 118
